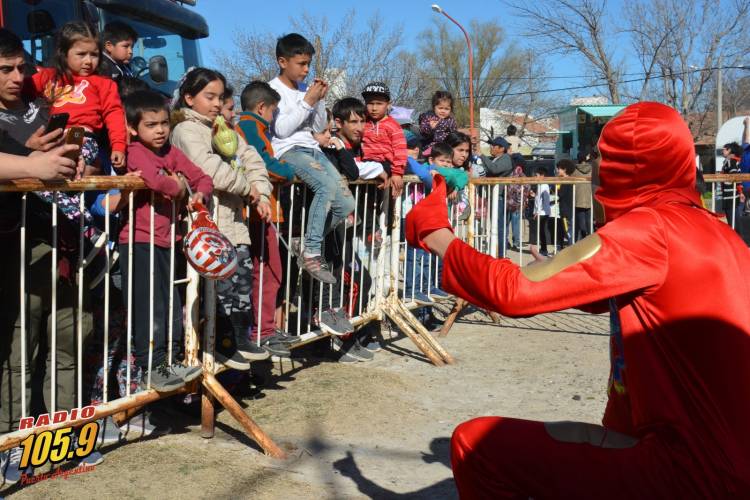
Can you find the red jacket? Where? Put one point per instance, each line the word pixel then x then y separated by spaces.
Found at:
pixel 92 102
pixel 153 168
pixel 385 141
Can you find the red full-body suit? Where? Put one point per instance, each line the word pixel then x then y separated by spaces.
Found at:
pixel 676 281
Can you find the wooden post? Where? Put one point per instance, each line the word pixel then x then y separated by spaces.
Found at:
pixel 209 341
pixel 393 312
pixel 420 330
pixel 227 401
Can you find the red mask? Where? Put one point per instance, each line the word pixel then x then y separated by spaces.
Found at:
pixel 647 158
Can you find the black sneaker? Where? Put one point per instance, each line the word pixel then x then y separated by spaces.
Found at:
pixel 331 322
pixel 251 351
pixel 284 337
pixel 317 268
pixel 275 346
pixel 227 355
pixel 351 348
pixel 367 340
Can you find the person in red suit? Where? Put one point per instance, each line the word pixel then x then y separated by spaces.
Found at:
pixel 673 278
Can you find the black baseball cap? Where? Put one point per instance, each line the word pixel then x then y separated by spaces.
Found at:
pixel 373 89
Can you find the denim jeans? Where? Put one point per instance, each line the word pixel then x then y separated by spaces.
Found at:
pixel 515 226
pixel 422 279
pixel 512 219
pixel 332 200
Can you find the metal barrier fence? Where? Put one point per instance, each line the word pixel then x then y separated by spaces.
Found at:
pixel 380 277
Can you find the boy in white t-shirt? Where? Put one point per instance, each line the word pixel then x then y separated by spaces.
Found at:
pixel 301 112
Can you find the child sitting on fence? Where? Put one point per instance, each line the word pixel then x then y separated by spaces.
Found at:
pixel 239 178
pixel 383 138
pixel 165 170
pixel 435 125
pixel 301 111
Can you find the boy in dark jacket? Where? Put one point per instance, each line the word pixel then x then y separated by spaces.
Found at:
pixel 118 39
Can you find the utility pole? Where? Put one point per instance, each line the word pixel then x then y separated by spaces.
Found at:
pixel 719 109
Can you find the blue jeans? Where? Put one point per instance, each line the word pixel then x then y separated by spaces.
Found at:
pixel 332 200
pixel 512 219
pixel 515 227
pixel 422 280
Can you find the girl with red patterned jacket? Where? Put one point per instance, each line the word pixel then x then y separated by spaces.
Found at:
pixel 72 87
pixel 91 101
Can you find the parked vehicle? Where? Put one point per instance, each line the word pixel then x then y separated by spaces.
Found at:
pixel 168 31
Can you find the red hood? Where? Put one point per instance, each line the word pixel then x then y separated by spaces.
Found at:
pixel 647 158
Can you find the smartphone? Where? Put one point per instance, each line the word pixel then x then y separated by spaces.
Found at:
pixel 57 121
pixel 74 136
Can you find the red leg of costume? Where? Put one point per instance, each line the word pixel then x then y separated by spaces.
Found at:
pixel 496 457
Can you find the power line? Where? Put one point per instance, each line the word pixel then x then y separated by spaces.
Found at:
pixel 561 77
pixel 603 84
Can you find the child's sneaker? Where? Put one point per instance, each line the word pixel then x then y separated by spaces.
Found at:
pixel 284 338
pixel 343 319
pixel 313 264
pixel 227 354
pixel 317 268
pixel 163 379
pixel 351 348
pixel 331 322
pixel 187 373
pixel 275 346
pixel 250 350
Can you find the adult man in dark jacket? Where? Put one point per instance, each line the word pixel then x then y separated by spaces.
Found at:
pixel 499 163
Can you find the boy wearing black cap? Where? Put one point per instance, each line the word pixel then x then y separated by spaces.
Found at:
pixel 383 140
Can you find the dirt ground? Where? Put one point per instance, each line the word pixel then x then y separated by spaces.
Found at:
pixel 367 430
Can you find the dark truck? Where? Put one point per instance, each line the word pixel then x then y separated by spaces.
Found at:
pixel 168 31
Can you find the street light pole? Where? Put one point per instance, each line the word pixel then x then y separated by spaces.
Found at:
pixel 719 104
pixel 439 10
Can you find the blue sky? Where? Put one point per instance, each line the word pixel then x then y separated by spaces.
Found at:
pixel 415 15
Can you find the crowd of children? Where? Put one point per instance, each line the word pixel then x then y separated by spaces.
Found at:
pixel 194 152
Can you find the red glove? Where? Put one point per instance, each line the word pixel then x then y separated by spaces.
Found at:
pixel 428 215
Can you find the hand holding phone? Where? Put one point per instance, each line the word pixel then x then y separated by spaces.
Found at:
pixel 42 141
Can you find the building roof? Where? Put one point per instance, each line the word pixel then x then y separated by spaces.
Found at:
pixel 602 110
